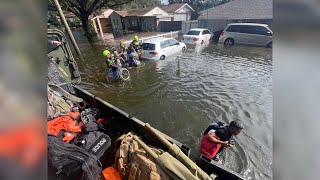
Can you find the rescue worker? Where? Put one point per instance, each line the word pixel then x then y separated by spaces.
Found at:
pixel 132 60
pixel 216 140
pixel 136 45
pixel 110 63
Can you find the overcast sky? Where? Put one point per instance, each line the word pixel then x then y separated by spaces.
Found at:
pixel 164 1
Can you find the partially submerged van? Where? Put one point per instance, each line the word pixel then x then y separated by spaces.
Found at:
pixel 247 33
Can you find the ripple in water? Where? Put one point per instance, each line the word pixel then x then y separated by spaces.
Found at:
pixel 182 95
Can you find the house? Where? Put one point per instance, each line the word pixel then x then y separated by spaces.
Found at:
pixel 180 12
pixel 255 11
pixel 101 21
pixel 144 19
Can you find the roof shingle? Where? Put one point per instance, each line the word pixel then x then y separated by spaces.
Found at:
pixel 240 9
pixel 135 12
pixel 172 7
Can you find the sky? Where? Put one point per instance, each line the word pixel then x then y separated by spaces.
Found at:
pixel 164 1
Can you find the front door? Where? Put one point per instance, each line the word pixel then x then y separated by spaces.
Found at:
pixel 165 48
pixel 174 47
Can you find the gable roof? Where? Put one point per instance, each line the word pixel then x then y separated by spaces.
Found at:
pixel 101 13
pixel 107 12
pixel 172 8
pixel 240 9
pixel 135 12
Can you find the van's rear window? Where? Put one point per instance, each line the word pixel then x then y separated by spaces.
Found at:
pixel 148 46
pixel 193 33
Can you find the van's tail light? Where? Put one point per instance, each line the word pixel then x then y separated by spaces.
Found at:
pixel 153 53
pixel 222 33
pixel 195 39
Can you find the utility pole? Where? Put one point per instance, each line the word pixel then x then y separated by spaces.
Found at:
pixel 66 25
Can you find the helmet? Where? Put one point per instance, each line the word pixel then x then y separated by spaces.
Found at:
pixel 132 54
pixel 89 115
pixel 105 52
pixel 136 38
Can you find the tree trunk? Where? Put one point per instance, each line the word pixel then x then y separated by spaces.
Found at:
pixel 85 25
pixel 86 28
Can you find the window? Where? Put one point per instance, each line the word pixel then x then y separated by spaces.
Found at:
pixel 173 42
pixel 246 29
pixel 193 32
pixel 164 44
pixel 260 30
pixel 117 22
pixel 206 32
pixel 268 27
pixel 233 28
pixel 114 22
pixel 148 46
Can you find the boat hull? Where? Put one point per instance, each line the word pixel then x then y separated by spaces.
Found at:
pixel 124 123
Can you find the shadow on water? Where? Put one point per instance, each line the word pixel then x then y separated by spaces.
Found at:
pixel 183 94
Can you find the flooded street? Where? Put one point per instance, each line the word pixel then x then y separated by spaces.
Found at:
pixel 181 95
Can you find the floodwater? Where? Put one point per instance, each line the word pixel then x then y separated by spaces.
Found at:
pixel 181 95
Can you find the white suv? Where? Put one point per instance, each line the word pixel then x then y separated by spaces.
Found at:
pixel 246 33
pixel 160 48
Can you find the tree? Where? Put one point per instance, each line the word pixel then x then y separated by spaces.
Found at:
pixel 139 4
pixel 84 8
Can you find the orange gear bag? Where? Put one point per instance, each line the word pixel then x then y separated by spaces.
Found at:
pixel 65 127
pixel 111 173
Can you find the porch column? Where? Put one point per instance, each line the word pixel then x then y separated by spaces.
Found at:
pixel 100 28
pixel 95 25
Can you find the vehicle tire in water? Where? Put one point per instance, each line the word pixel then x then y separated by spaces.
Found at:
pixel 162 57
pixel 124 74
pixel 229 42
pixel 184 49
pixel 269 45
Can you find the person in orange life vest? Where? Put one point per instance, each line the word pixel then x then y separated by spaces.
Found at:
pixel 215 141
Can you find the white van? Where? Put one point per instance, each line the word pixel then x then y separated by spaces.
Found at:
pixel 246 33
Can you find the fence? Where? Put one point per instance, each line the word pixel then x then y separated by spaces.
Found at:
pixel 187 25
pixel 172 34
pixel 168 26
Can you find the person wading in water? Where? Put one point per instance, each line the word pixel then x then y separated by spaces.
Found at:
pixel 217 137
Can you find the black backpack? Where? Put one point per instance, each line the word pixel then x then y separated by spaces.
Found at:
pixel 95 142
pixel 215 125
pixel 69 160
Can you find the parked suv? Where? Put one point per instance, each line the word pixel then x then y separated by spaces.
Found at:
pixel 246 33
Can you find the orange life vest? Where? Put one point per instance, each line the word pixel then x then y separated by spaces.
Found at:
pixel 65 127
pixel 25 144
